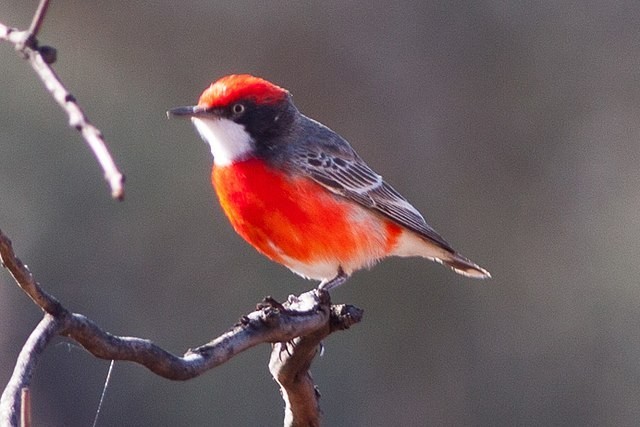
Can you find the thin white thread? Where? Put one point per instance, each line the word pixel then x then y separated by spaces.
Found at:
pixel 104 391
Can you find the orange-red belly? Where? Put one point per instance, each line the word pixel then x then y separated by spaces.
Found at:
pixel 299 223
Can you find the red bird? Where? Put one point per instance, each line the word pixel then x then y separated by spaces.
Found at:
pixel 297 191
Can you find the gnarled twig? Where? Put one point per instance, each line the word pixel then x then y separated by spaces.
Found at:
pixel 301 323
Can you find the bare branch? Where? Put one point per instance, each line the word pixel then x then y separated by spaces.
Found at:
pixel 26 281
pixel 26 364
pixel 290 362
pixel 38 18
pixel 40 57
pixel 266 325
pixel 302 322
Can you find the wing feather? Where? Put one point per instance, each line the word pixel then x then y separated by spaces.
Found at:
pixel 343 172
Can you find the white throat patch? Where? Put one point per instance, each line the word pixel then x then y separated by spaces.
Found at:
pixel 229 141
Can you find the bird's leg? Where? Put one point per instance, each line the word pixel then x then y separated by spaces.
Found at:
pixel 327 285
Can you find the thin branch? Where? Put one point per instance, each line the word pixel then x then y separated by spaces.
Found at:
pixel 38 18
pixel 40 58
pixel 26 281
pixel 302 322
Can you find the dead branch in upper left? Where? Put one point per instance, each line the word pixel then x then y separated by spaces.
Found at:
pixel 41 57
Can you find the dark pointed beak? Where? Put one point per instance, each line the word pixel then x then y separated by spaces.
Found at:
pixel 189 111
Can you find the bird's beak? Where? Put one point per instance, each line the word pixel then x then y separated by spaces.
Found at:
pixel 189 111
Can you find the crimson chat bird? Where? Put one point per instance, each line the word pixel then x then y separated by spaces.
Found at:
pixel 298 193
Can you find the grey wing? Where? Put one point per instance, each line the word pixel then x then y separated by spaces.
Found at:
pixel 343 172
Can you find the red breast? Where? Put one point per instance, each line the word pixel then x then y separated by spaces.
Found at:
pixel 298 223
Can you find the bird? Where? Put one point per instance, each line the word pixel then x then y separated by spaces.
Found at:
pixel 299 193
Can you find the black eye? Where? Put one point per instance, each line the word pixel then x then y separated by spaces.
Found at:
pixel 237 109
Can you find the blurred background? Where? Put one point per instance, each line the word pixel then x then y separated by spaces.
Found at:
pixel 513 126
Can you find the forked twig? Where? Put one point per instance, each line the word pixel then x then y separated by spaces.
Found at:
pixel 41 58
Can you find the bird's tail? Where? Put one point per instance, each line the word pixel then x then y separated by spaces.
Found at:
pixel 464 266
pixel 413 244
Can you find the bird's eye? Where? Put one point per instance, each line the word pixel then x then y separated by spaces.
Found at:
pixel 237 109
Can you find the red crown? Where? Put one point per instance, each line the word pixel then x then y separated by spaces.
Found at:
pixel 235 87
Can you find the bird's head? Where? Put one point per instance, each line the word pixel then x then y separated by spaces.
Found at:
pixel 240 114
